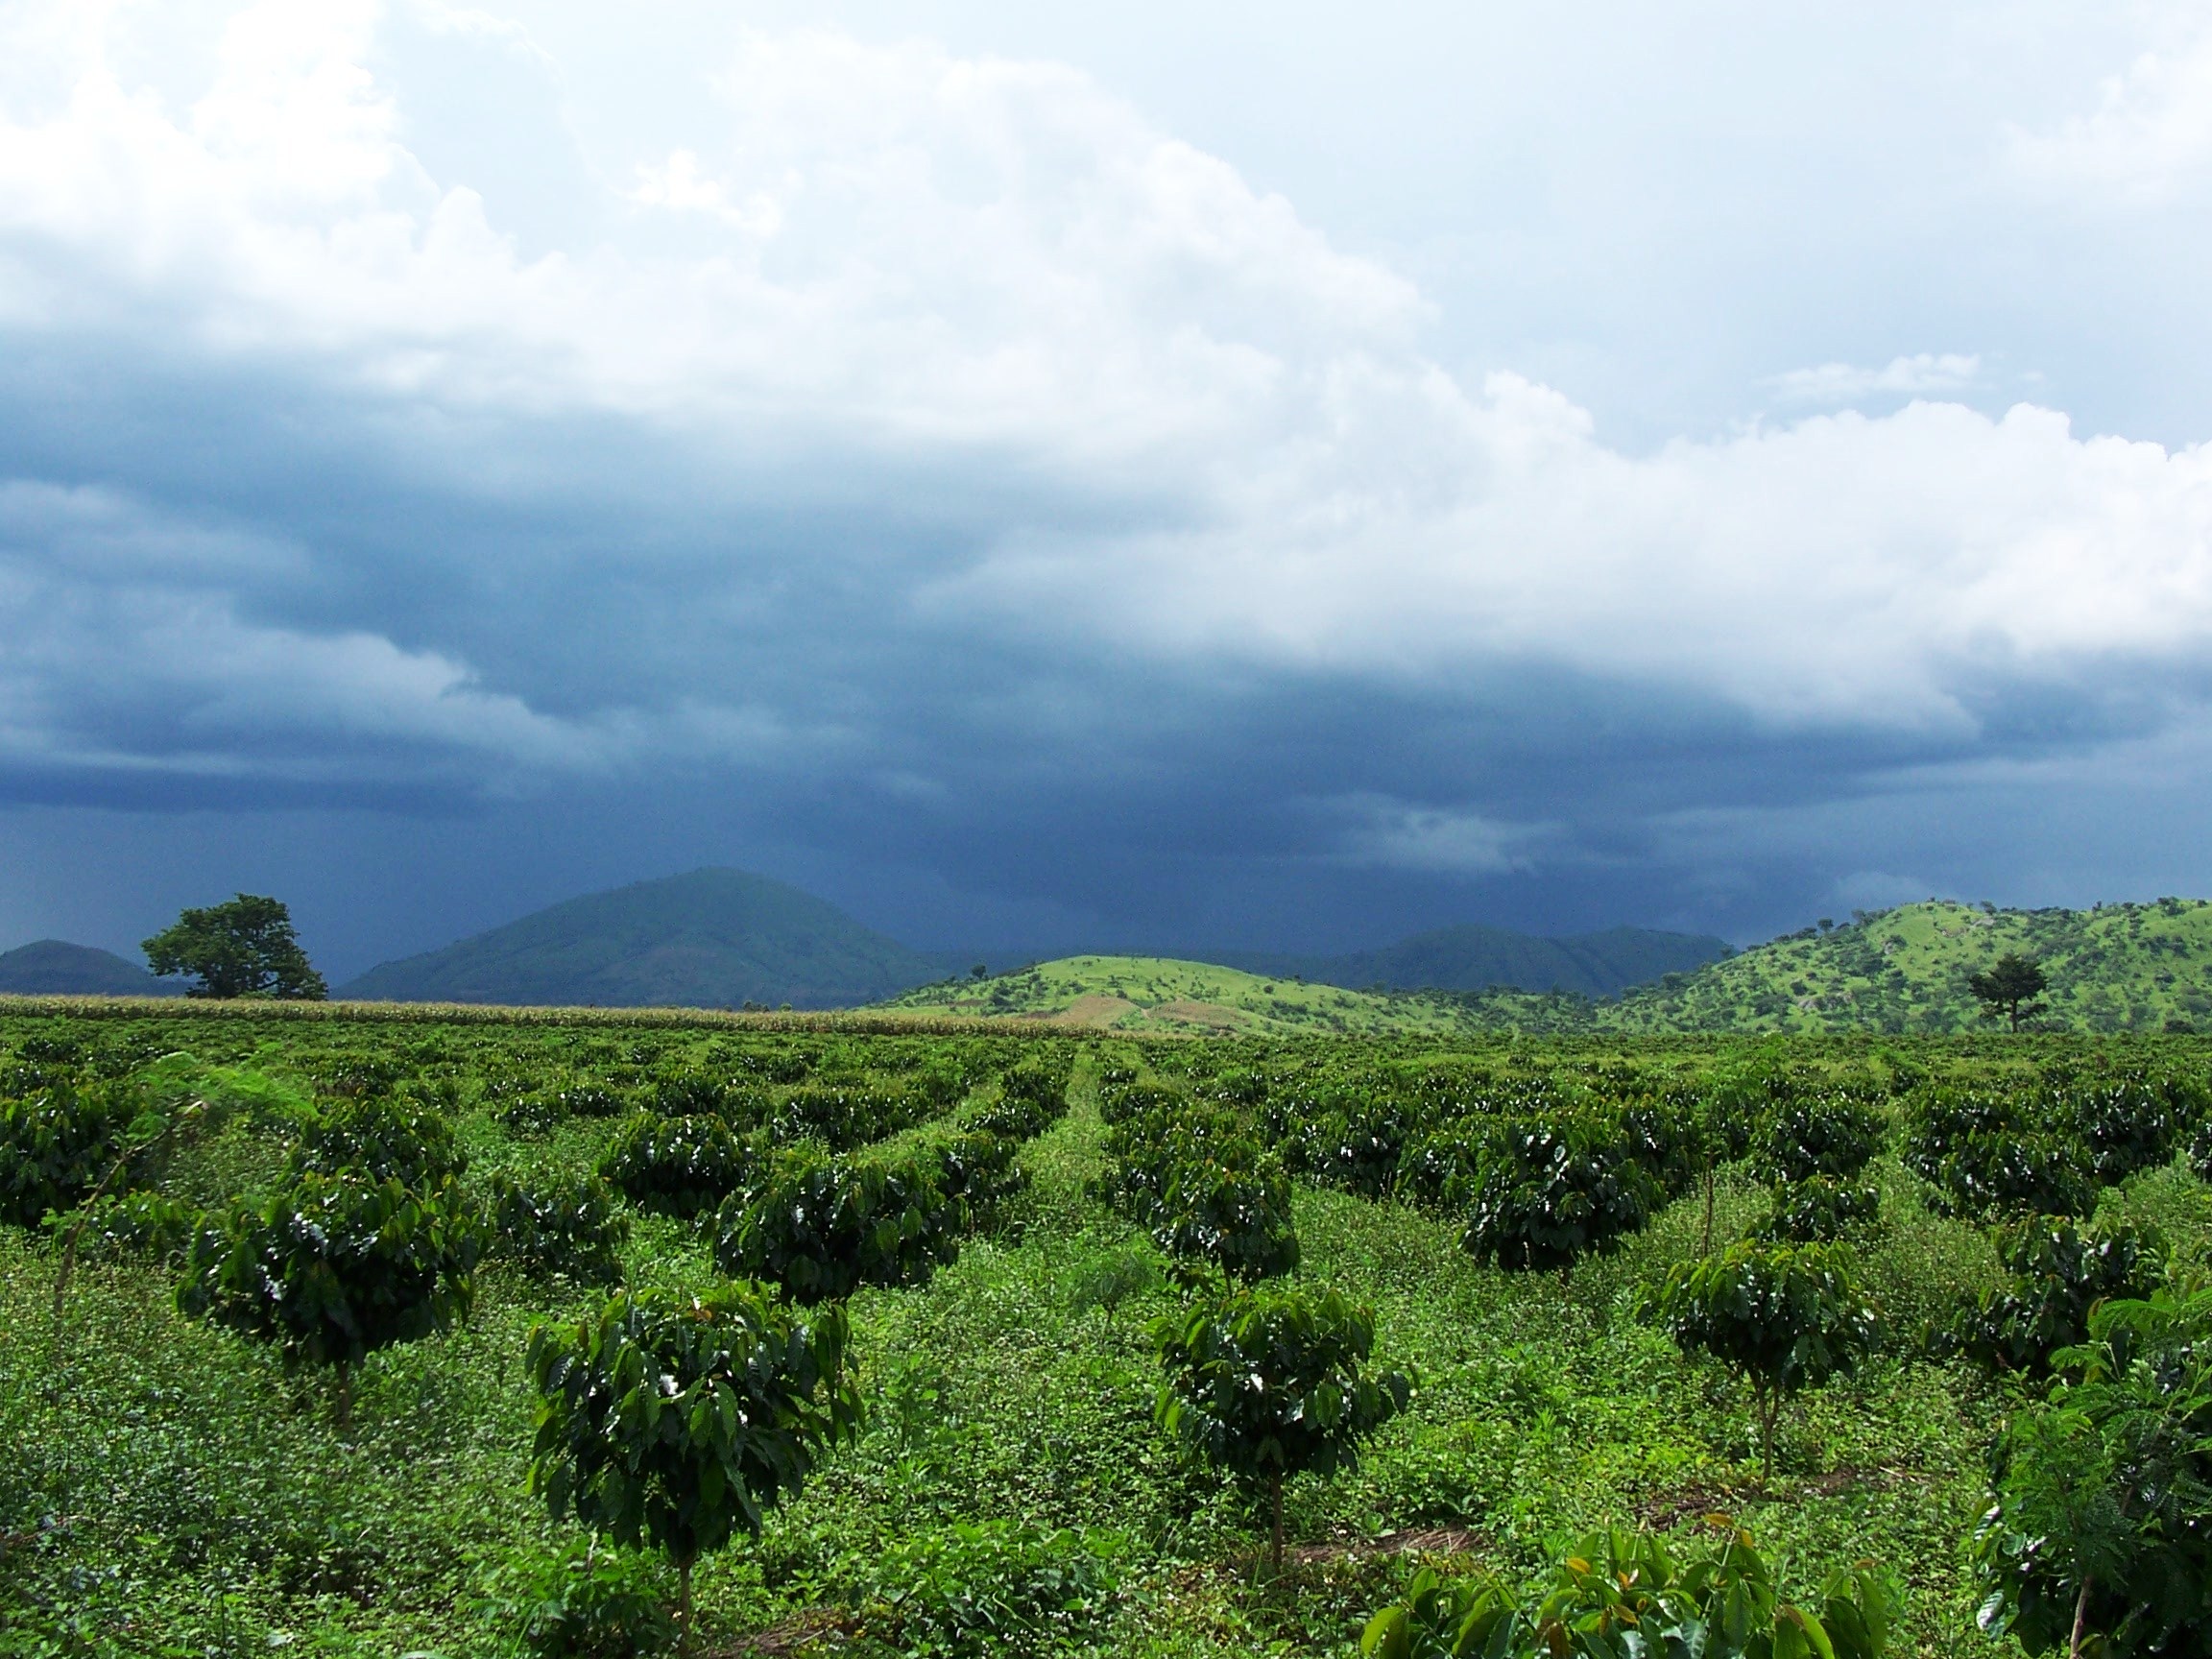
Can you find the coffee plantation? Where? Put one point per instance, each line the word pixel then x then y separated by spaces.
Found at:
pixel 373 1331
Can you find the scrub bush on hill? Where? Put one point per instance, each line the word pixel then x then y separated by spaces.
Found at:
pixel 2100 1540
pixel 679 1422
pixel 558 1226
pixel 1547 1193
pixel 1265 1383
pixel 336 1268
pixel 679 1166
pixel 382 1141
pixel 2058 1270
pixel 820 1226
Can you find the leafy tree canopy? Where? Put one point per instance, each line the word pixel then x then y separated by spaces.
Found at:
pixel 2009 987
pixel 245 948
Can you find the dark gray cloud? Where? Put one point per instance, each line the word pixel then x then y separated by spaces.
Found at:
pixel 921 478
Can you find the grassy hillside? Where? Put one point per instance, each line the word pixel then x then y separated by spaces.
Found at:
pixel 710 939
pixel 1474 957
pixel 1158 993
pixel 2118 968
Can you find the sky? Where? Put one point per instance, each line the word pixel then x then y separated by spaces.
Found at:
pixel 1155 475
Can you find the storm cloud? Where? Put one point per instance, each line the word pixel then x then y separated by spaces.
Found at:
pixel 436 476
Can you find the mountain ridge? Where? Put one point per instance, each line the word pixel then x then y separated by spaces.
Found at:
pixel 56 968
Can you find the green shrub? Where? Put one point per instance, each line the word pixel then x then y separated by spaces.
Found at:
pixel 2126 1125
pixel 336 1268
pixel 842 1118
pixel 136 1224
pixel 679 1421
pixel 57 1146
pixel 996 1587
pixel 1550 1192
pixel 2058 1272
pixel 680 1167
pixel 380 1140
pixel 1782 1318
pixel 1623 1595
pixel 1819 1136
pixel 1818 1208
pixel 1266 1382
pixel 559 1226
pixel 977 1170
pixel 2101 1521
pixel 579 1601
pixel 1356 1145
pixel 821 1226
pixel 1236 1215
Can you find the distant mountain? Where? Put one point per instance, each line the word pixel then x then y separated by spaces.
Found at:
pixel 2116 968
pixel 1474 957
pixel 55 967
pixel 712 939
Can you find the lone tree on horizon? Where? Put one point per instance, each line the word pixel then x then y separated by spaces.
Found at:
pixel 2011 987
pixel 245 948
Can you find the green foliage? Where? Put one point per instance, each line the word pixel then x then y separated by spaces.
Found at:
pixel 1804 1139
pixel 1822 1206
pixel 2009 986
pixel 57 1146
pixel 1550 1191
pixel 135 1224
pixel 989 1589
pixel 2125 1124
pixel 680 1167
pixel 1265 1383
pixel 1621 1594
pixel 336 1268
pixel 821 1226
pixel 1235 1215
pixel 2060 1271
pixel 242 948
pixel 558 1226
pixel 1782 1318
pixel 380 1140
pixel 1988 1157
pixel 2102 1512
pixel 579 1601
pixel 680 1421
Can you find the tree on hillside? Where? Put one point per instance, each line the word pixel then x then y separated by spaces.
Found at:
pixel 2011 987
pixel 245 948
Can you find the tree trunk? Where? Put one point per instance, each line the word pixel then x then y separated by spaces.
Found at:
pixel 2081 1617
pixel 345 1398
pixel 684 1605
pixel 1275 1497
pixel 1770 1407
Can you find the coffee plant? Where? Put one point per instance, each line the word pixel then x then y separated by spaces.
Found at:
pixel 1234 1215
pixel 562 1226
pixel 1548 1192
pixel 1266 1382
pixel 1820 1207
pixel 1781 1317
pixel 821 1226
pixel 2100 1538
pixel 335 1268
pixel 680 1167
pixel 57 1146
pixel 1808 1138
pixel 380 1140
pixel 680 1421
pixel 2060 1271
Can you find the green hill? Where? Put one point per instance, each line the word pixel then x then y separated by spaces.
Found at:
pixel 1474 957
pixel 2117 968
pixel 712 939
pixel 1158 993
pixel 55 967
